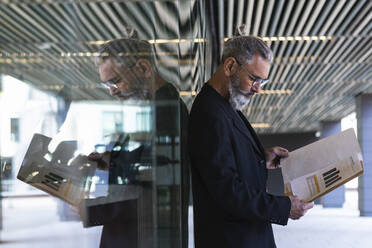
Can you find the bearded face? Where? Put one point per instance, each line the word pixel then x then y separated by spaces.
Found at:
pixel 138 91
pixel 238 98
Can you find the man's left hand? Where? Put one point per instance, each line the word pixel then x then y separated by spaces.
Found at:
pixel 273 156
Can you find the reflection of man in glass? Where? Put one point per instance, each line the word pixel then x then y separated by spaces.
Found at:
pixel 126 68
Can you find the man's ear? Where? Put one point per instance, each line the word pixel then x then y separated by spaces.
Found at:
pixel 143 67
pixel 230 66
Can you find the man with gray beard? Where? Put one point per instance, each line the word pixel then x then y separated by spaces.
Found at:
pixel 228 163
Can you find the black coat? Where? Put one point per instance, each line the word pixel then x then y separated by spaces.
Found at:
pixel 120 219
pixel 231 205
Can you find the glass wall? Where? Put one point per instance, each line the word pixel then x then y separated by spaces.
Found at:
pixel 94 106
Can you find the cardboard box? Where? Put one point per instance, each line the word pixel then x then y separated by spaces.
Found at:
pixel 316 169
pixel 61 173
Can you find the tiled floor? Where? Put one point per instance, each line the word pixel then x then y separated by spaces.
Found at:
pixel 324 228
pixel 36 224
pixel 329 228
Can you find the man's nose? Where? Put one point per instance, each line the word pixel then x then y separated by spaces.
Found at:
pixel 256 88
pixel 113 90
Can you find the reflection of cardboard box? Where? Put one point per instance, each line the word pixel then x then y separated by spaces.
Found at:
pixel 316 169
pixel 61 173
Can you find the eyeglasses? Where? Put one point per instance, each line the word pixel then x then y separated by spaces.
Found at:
pixel 111 83
pixel 256 81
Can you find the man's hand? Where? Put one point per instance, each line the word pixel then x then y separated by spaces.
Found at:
pixel 273 156
pixel 79 209
pixel 298 207
pixel 102 159
pixel 75 209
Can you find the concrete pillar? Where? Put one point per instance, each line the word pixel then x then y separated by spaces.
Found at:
pixel 336 198
pixel 364 121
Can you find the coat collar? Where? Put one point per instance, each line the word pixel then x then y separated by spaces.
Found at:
pixel 240 122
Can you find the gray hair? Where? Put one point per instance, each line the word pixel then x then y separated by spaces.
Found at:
pixel 242 48
pixel 126 52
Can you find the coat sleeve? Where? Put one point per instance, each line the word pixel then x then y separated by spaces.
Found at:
pixel 212 156
pixel 95 215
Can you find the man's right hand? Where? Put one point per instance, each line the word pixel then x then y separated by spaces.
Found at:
pixel 102 159
pixel 299 207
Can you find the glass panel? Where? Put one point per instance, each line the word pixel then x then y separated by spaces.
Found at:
pixel 93 121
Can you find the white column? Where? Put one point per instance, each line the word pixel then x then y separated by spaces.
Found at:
pixel 364 120
pixel 336 198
